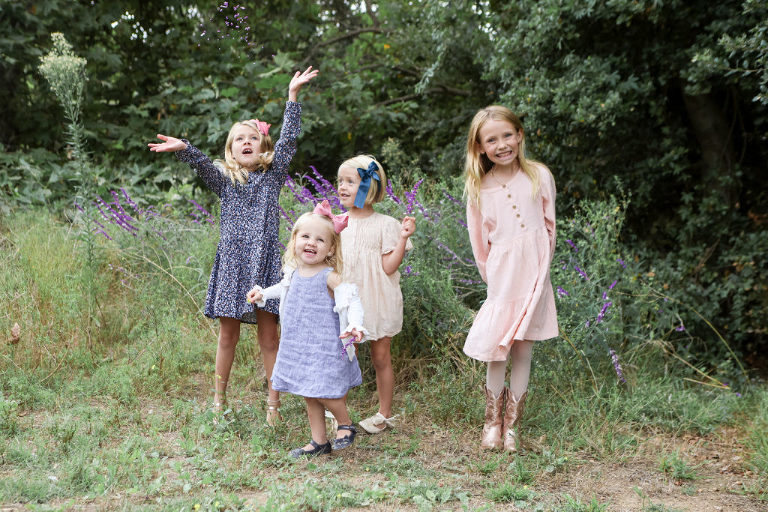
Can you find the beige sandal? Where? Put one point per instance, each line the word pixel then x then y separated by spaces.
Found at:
pixel 273 414
pixel 370 425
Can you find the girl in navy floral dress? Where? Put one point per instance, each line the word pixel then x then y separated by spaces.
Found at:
pixel 248 183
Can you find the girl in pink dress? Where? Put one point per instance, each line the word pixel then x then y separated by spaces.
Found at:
pixel 511 223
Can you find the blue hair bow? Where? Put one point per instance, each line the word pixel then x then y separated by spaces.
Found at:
pixel 365 183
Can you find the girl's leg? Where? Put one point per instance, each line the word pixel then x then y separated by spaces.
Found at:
pixel 494 376
pixel 338 407
pixel 268 344
pixel 229 334
pixel 316 415
pixel 520 372
pixel 385 377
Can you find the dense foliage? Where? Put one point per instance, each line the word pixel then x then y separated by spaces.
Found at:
pixel 663 102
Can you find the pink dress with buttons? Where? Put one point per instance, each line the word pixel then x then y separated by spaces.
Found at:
pixel 513 241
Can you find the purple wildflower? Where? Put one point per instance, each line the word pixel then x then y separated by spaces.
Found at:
pixel 601 315
pixel 392 195
pixel 680 328
pixel 562 292
pixel 613 284
pixel 453 199
pixel 447 249
pixel 410 198
pixel 617 366
pixel 581 272
pixel 573 245
pixel 621 262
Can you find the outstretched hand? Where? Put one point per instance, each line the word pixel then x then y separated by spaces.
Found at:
pixel 408 227
pixel 169 144
pixel 299 80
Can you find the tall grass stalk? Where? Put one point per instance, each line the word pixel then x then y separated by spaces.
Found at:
pixel 65 73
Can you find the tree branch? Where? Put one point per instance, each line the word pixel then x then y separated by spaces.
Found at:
pixel 431 90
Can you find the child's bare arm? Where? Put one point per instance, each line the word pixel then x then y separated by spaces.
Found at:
pixel 391 261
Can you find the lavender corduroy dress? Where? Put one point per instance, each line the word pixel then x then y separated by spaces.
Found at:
pixel 310 361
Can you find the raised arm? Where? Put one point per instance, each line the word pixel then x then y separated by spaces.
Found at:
pixel 285 147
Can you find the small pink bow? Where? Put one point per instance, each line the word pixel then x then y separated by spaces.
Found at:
pixel 339 221
pixel 262 126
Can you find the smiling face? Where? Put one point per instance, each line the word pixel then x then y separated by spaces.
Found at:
pixel 499 140
pixel 313 243
pixel 246 145
pixel 348 183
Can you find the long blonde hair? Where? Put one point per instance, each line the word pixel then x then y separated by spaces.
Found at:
pixel 378 189
pixel 229 165
pixel 333 260
pixel 478 164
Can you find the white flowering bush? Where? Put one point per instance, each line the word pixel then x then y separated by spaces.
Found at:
pixel 65 73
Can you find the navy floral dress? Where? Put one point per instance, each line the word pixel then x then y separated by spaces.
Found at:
pixel 248 252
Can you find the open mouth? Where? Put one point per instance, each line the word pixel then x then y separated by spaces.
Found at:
pixel 310 251
pixel 247 151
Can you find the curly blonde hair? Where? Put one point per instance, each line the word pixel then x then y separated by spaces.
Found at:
pixel 333 260
pixel 478 164
pixel 229 165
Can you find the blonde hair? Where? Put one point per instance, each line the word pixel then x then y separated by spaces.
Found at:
pixel 333 259
pixel 229 165
pixel 478 164
pixel 378 189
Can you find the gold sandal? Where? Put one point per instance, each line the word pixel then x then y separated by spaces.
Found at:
pixel 273 414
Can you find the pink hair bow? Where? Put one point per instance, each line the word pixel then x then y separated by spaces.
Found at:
pixel 262 126
pixel 339 221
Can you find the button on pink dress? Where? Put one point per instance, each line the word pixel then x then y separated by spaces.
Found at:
pixel 513 241
pixel 363 243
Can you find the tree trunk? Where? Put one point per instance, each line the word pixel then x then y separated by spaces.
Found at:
pixel 714 135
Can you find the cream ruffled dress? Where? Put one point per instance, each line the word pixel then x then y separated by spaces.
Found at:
pixel 363 243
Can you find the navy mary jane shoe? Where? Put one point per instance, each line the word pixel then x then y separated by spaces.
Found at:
pixel 345 442
pixel 317 449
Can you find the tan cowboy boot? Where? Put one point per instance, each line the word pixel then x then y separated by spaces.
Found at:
pixel 492 428
pixel 512 415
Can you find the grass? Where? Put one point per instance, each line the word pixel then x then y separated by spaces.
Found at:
pixel 122 421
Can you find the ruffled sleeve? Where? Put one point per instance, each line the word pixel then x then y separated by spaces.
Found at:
pixel 212 176
pixel 350 310
pixel 390 236
pixel 276 291
pixel 547 184
pixel 478 238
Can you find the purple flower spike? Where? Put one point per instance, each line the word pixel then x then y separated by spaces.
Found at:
pixel 573 245
pixel 680 328
pixel 562 292
pixel 621 262
pixel 601 315
pixel 392 195
pixel 581 272
pixel 613 284
pixel 617 366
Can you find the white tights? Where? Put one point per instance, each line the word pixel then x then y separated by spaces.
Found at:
pixel 520 354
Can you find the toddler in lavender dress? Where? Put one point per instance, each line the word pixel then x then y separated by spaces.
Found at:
pixel 321 317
